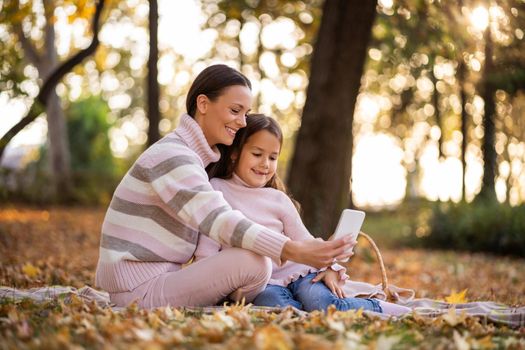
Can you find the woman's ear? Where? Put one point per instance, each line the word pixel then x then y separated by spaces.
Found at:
pixel 202 103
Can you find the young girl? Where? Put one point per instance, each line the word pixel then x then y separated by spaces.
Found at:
pixel 246 175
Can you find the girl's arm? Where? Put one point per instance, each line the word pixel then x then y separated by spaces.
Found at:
pixel 293 226
pixel 333 281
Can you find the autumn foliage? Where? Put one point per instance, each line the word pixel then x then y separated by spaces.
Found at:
pixel 59 246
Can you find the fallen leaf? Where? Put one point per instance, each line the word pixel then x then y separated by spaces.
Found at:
pixel 272 337
pixel 30 270
pixel 484 343
pixel 351 340
pixel 460 341
pixel 144 334
pixel 337 326
pixel 387 342
pixel 228 321
pixel 23 330
pixel 306 341
pixel 453 319
pixel 457 298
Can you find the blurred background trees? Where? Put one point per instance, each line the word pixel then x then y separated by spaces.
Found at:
pixel 42 56
pixel 412 109
pixel 324 143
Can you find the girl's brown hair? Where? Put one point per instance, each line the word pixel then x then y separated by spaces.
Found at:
pixel 211 82
pixel 224 168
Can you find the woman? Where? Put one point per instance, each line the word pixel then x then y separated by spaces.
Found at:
pixel 152 223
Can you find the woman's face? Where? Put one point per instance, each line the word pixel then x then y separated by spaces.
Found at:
pixel 258 159
pixel 221 119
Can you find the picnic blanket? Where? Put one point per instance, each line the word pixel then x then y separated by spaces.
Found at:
pixel 490 311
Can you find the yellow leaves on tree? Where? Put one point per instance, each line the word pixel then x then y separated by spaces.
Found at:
pixel 84 9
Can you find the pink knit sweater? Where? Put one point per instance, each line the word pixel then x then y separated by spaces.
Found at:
pixel 157 210
pixel 272 209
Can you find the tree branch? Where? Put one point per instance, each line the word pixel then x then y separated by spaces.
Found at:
pixel 40 102
pixel 29 50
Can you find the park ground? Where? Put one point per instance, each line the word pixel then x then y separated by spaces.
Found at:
pixel 59 246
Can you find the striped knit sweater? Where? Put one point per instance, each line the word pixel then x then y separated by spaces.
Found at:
pixel 157 210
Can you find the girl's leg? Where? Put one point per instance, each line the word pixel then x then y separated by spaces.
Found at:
pixel 276 296
pixel 317 296
pixel 234 272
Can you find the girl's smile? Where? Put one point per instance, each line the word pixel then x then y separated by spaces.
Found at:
pixel 257 162
pixel 259 172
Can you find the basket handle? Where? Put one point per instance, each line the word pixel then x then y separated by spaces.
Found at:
pixel 384 279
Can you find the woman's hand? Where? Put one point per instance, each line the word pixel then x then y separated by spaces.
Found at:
pixel 318 253
pixel 332 280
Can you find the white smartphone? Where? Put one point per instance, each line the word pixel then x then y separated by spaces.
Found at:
pixel 349 223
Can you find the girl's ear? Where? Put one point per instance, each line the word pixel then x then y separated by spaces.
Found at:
pixel 202 103
pixel 234 156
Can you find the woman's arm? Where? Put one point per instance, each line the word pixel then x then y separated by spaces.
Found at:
pixel 206 247
pixel 182 184
pixel 295 229
pixel 184 187
pixel 317 253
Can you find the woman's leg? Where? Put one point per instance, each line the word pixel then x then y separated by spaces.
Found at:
pixel 234 272
pixel 317 296
pixel 393 309
pixel 276 296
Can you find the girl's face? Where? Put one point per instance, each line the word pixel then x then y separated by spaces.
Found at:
pixel 257 162
pixel 222 118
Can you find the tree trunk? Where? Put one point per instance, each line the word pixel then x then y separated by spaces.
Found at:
pixel 153 84
pixel 437 114
pixel 262 74
pixel 464 126
pixel 488 188
pixel 319 176
pixel 59 155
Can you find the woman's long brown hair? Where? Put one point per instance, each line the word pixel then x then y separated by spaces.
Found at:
pixel 212 82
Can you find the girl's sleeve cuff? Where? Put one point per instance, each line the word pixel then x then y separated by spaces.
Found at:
pixel 335 267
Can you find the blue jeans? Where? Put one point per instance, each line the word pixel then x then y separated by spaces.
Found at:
pixel 308 296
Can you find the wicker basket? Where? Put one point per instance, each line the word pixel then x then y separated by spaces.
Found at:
pixel 384 280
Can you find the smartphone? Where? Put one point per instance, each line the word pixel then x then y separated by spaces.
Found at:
pixel 349 223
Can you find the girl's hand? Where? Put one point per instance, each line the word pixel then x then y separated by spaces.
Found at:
pixel 316 252
pixel 332 280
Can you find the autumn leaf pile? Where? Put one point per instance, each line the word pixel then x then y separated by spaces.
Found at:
pixel 59 246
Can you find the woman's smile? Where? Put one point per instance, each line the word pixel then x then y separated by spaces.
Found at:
pixel 231 131
pixel 222 117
